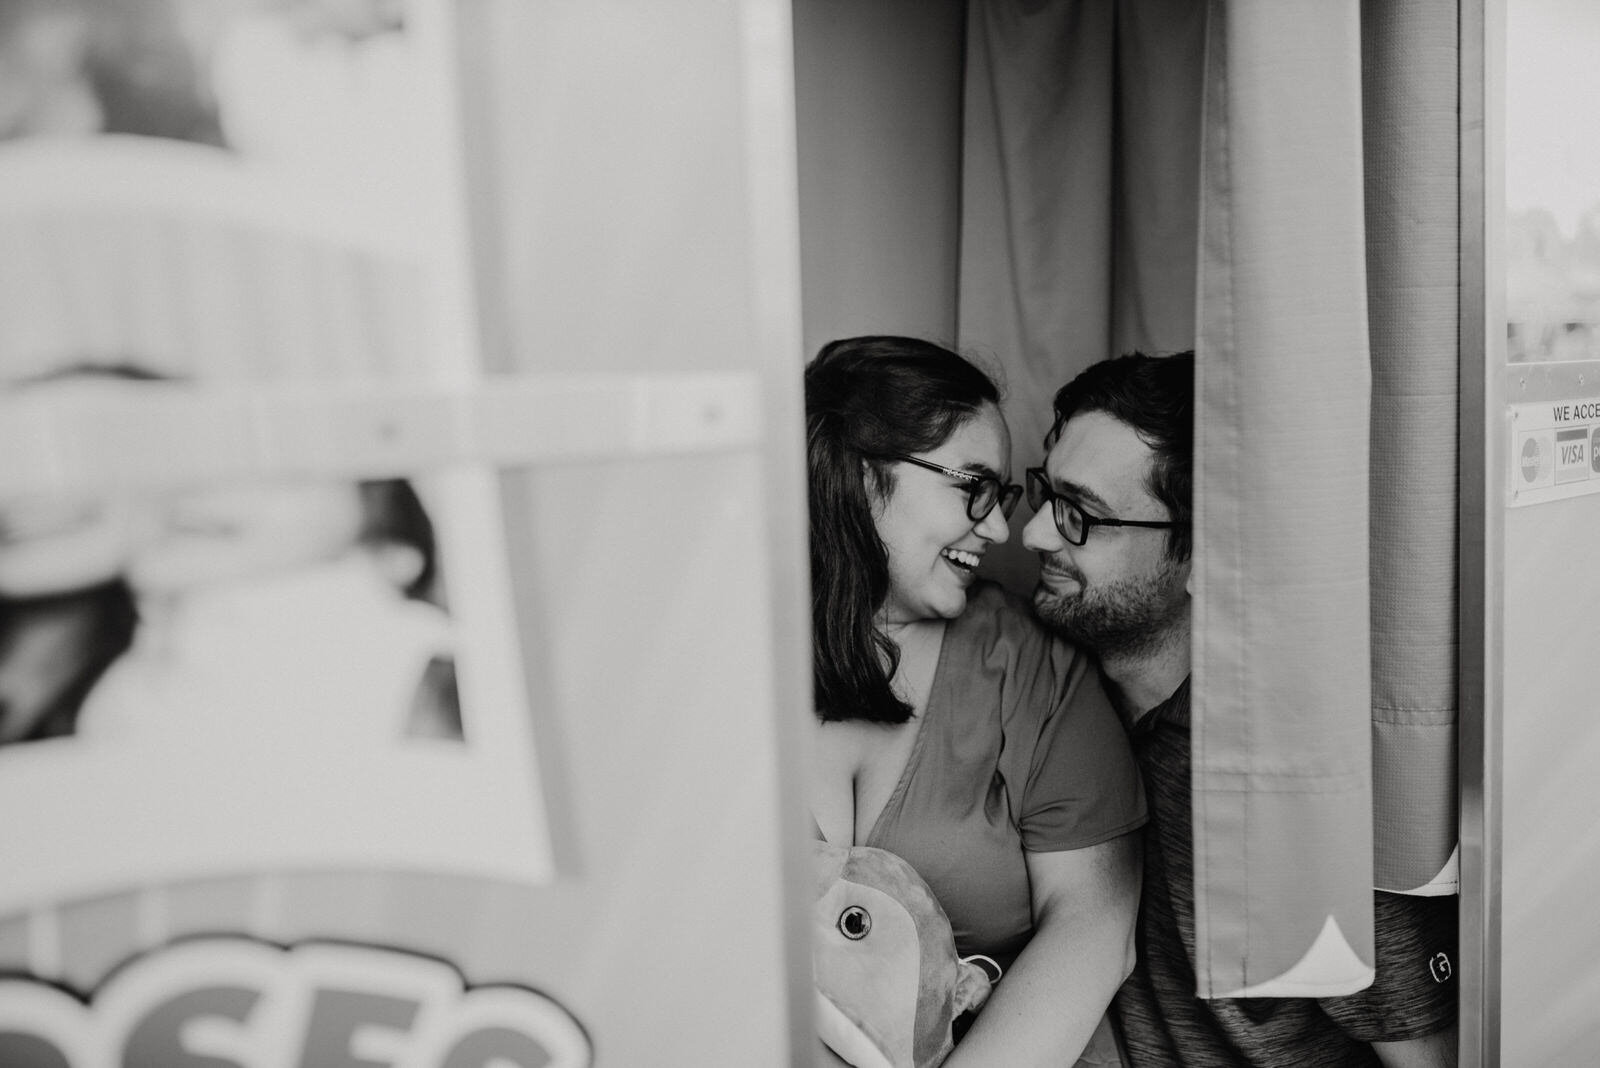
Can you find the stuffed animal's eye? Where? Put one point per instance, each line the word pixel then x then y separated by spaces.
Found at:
pixel 855 922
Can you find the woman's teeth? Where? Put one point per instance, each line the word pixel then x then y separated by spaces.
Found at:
pixel 961 558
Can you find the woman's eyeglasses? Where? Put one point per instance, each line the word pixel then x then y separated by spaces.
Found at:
pixel 983 491
pixel 1071 520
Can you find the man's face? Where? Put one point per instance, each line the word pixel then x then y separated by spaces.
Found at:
pixel 1117 593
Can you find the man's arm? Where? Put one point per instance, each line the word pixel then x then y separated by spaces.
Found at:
pixel 1409 994
pixel 1437 1050
pixel 1046 1008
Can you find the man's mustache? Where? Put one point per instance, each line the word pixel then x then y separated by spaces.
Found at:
pixel 1049 564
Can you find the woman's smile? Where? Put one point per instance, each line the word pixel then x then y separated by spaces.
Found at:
pixel 962 560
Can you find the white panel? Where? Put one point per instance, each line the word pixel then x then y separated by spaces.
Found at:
pixel 1549 217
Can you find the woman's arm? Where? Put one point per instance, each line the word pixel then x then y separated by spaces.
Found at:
pixel 1046 1007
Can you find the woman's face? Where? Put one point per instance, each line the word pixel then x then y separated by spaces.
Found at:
pixel 934 548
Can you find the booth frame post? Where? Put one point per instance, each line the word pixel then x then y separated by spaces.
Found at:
pixel 772 169
pixel 1482 524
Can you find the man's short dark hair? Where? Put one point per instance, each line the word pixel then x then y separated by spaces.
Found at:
pixel 1155 396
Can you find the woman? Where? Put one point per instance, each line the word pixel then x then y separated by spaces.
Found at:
pixel 952 729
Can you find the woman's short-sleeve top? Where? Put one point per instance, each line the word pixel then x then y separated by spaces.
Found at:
pixel 1018 750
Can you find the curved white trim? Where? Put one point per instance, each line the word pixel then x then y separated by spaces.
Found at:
pixel 1447 882
pixel 1330 967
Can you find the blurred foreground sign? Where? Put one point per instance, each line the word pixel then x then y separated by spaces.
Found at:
pixel 243 1004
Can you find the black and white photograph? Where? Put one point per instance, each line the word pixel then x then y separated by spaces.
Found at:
pixel 885 533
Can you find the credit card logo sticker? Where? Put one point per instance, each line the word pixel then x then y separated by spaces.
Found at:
pixel 1572 454
pixel 1535 460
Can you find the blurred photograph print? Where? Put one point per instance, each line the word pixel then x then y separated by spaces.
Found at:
pixel 255 608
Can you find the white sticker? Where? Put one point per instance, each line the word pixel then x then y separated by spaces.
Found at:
pixel 1554 451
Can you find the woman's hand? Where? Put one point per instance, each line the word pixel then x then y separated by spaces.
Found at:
pixel 1047 1006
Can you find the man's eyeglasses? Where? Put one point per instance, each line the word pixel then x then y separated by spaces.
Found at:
pixel 1071 520
pixel 983 491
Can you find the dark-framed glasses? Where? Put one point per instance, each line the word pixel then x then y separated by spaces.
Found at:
pixel 983 491
pixel 1071 520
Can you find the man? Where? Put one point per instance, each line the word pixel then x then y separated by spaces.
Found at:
pixel 1112 530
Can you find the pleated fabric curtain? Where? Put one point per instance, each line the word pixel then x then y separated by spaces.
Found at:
pixel 1080 161
pixel 1282 657
pixel 1034 281
pixel 1326 485
pixel 1170 174
pixel 1410 65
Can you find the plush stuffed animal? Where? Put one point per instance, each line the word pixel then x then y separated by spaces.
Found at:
pixel 889 985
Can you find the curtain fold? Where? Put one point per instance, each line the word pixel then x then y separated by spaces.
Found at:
pixel 1409 62
pixel 1036 196
pixel 1281 735
pixel 1160 64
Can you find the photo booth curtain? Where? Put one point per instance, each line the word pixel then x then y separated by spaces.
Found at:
pixel 1282 688
pixel 1410 64
pixel 1161 174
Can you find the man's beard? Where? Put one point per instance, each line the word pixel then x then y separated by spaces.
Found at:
pixel 1126 617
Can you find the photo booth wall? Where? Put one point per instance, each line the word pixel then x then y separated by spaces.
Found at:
pixel 1530 321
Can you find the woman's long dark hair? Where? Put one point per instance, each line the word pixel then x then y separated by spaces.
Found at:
pixel 867 397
